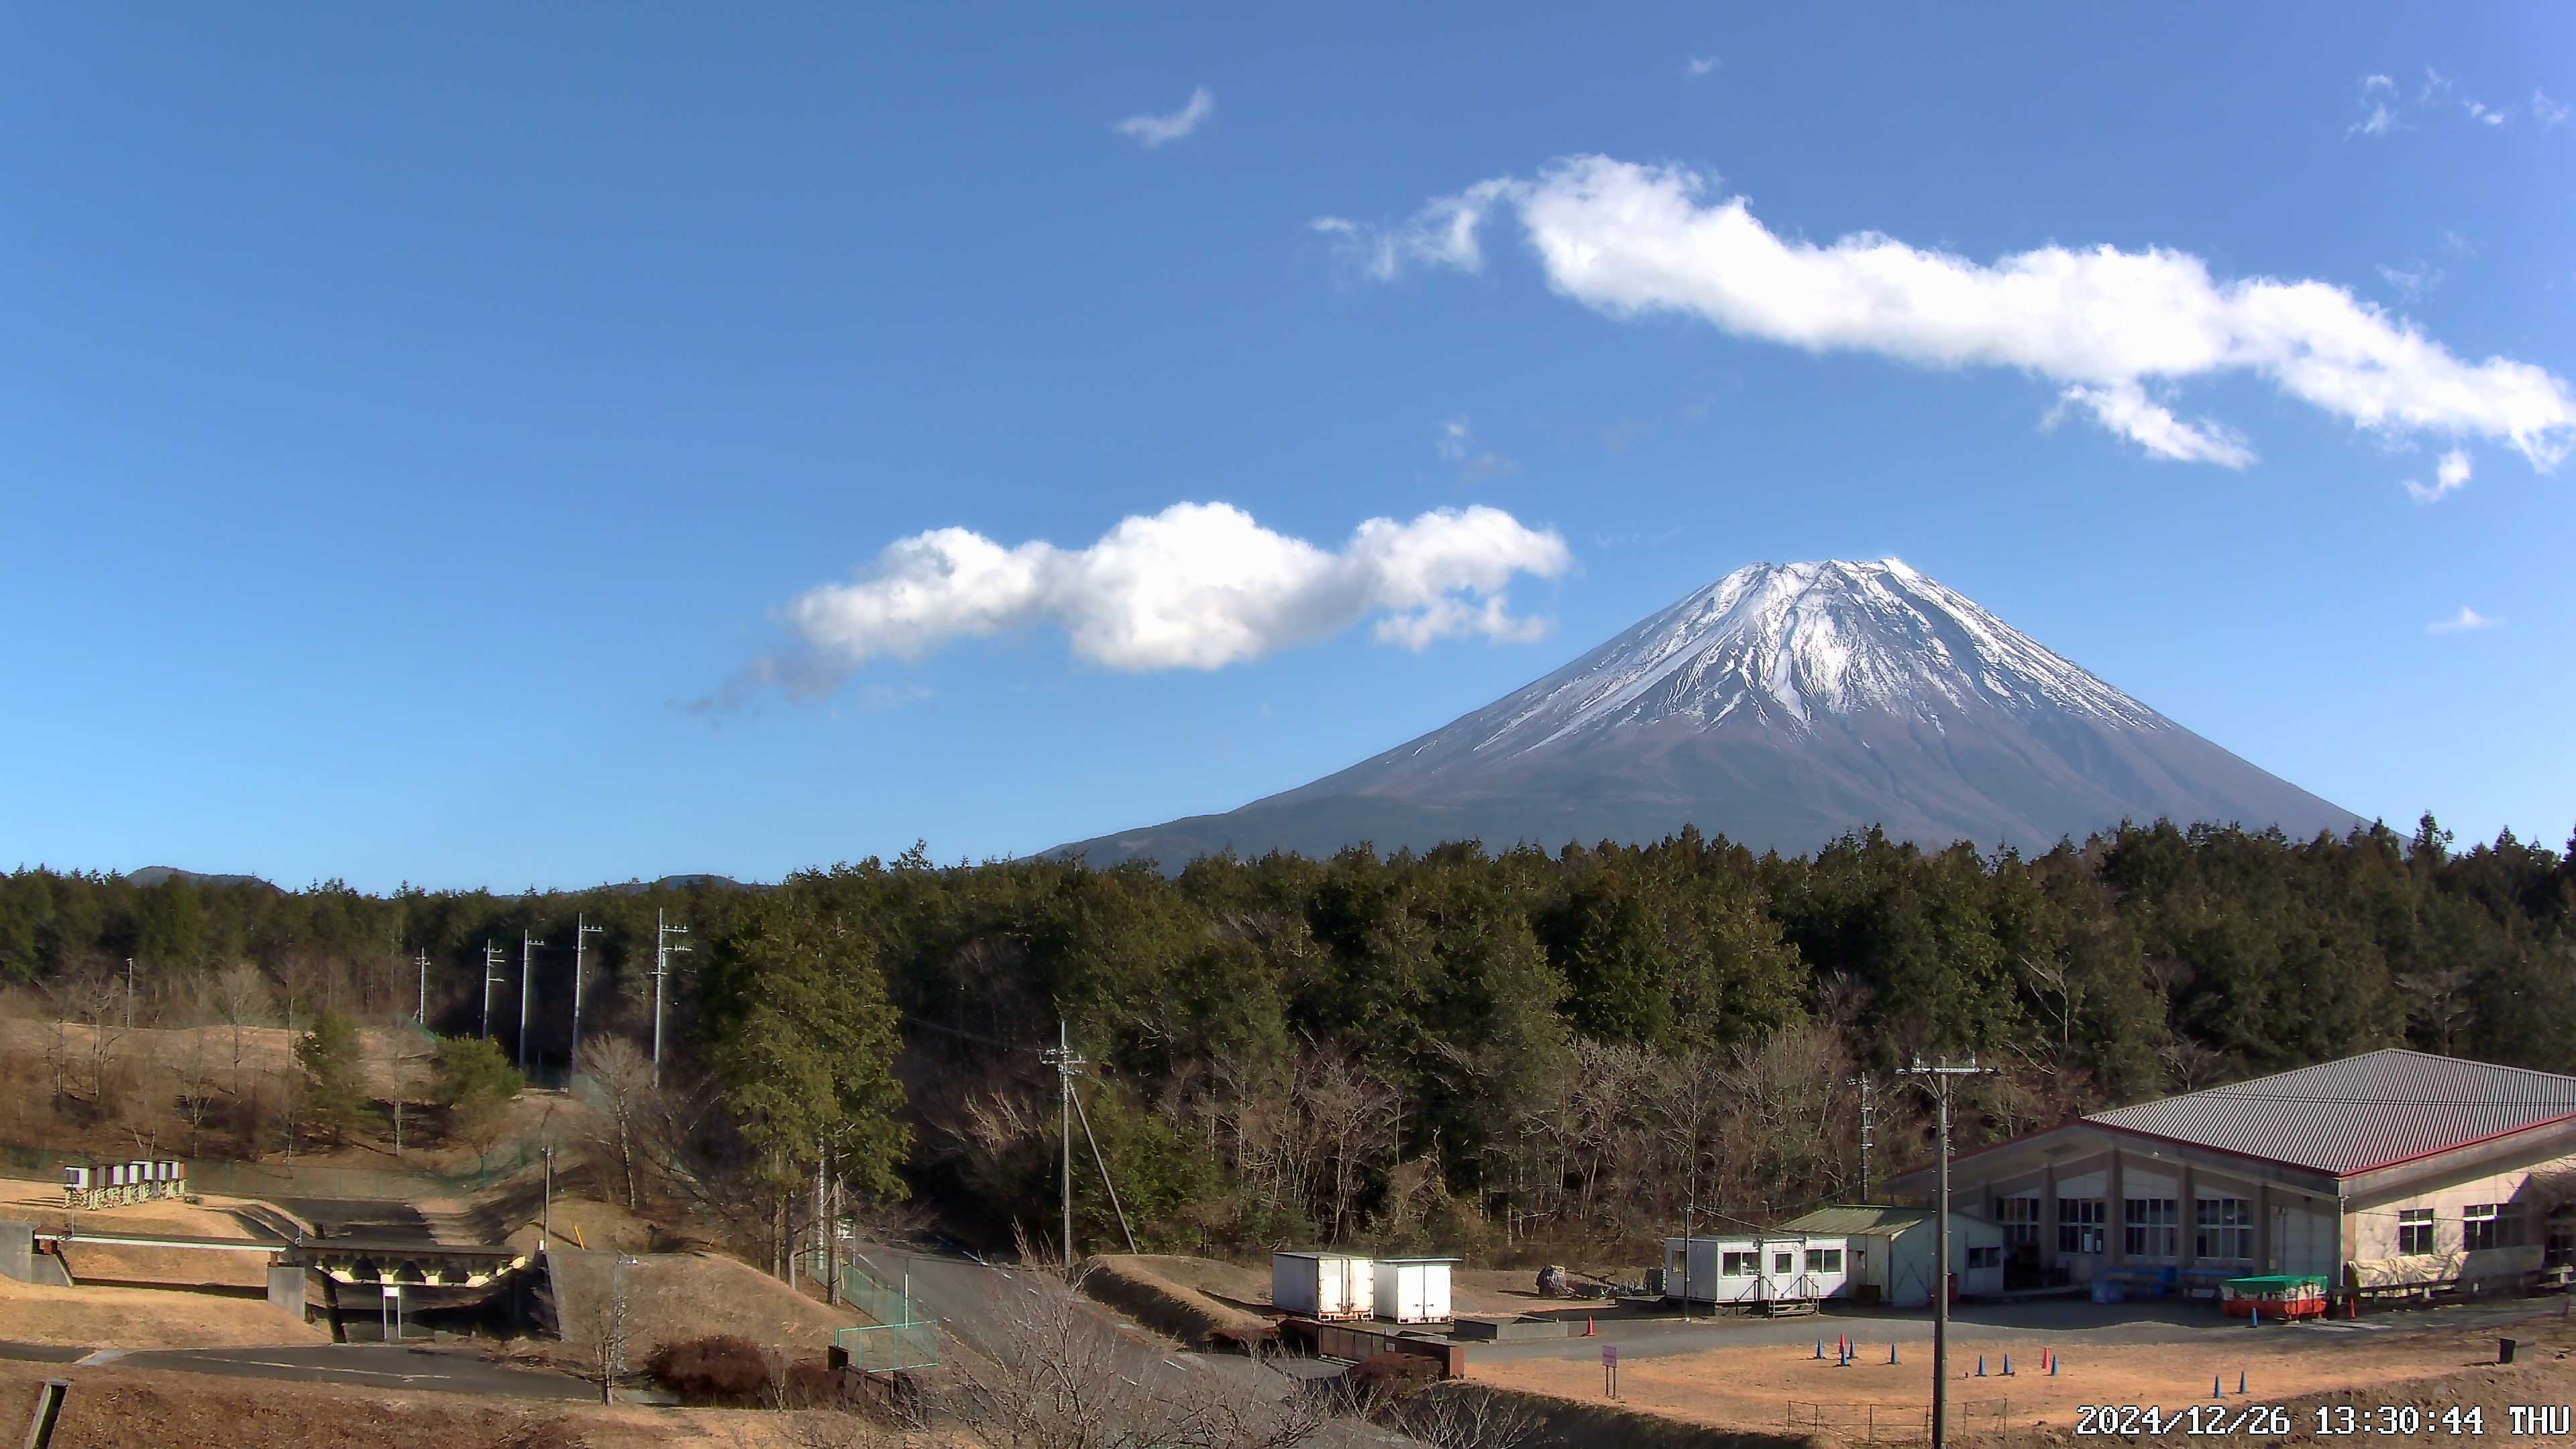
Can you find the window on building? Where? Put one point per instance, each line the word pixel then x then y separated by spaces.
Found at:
pixel 2481 1227
pixel 2415 1230
pixel 2153 1227
pixel 2079 1225
pixel 1739 1265
pixel 1824 1260
pixel 2020 1219
pixel 2224 1228
pixel 1986 1257
pixel 1784 1263
pixel 2559 1249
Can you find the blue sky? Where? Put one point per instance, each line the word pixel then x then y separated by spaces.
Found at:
pixel 406 422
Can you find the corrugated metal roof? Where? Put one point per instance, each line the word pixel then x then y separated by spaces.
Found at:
pixel 2363 1112
pixel 1849 1219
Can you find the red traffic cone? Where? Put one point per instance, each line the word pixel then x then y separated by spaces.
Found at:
pixel 1587 1325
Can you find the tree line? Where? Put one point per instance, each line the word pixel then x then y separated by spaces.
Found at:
pixel 1484 1051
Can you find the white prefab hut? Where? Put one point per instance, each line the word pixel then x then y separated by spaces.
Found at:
pixel 1889 1253
pixel 1775 1272
pixel 1411 1290
pixel 1326 1285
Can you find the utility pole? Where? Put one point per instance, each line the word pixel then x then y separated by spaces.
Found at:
pixel 129 993
pixel 527 959
pixel 1868 1122
pixel 1938 1081
pixel 491 958
pixel 1061 1058
pixel 663 950
pixel 581 927
pixel 421 1013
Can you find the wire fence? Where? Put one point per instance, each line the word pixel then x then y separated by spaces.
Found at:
pixel 1910 1424
pixel 905 1334
pixel 229 1178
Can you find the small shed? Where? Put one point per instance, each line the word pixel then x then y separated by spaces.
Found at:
pixel 1891 1252
pixel 1412 1290
pixel 1755 1269
pixel 1324 1285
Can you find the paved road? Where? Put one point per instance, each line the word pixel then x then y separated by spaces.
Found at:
pixel 388 1366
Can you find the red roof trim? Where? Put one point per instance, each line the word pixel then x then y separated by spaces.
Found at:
pixel 2457 1146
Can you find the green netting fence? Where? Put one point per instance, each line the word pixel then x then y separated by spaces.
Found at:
pixel 905 1335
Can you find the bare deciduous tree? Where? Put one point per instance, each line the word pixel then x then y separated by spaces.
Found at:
pixel 623 1075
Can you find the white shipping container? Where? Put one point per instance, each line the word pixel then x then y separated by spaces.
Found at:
pixel 1320 1285
pixel 1412 1290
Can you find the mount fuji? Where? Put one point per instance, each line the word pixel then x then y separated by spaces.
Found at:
pixel 1781 706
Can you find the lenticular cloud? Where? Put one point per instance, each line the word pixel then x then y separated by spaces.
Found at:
pixel 2115 330
pixel 1196 586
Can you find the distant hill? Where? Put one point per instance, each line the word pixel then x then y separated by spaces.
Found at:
pixel 1782 706
pixel 153 875
pixel 684 882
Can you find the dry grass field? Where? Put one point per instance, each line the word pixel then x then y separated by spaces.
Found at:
pixel 1786 1390
pixel 133 1318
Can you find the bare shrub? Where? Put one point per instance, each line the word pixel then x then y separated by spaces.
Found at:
pixel 719 1368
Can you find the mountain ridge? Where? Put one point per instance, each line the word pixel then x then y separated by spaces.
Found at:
pixel 1783 705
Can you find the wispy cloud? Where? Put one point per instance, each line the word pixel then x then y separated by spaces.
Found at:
pixel 2449 476
pixel 1152 131
pixel 2378 108
pixel 2484 116
pixel 2110 328
pixel 2414 280
pixel 1699 66
pixel 2547 112
pixel 1197 586
pixel 1458 446
pixel 2462 622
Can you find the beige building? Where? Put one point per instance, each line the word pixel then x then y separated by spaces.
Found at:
pixel 2393 1169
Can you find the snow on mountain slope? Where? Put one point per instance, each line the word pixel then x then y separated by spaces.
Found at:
pixel 1782 705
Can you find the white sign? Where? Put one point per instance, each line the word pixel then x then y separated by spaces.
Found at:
pixel 1609 1355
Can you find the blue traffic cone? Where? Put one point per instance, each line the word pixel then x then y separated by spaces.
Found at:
pixel 2255 1318
pixel 2240 1381
pixel 1891 1355
pixel 1981 1365
pixel 1820 1350
pixel 2052 1363
pixel 2008 1373
pixel 2213 1388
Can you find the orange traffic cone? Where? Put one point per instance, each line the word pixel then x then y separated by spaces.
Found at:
pixel 1587 1325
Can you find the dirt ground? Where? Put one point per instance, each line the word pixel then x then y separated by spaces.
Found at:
pixel 111 1408
pixel 681 1296
pixel 1787 1389
pixel 144 1318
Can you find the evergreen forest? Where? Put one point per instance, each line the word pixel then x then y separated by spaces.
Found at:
pixel 1497 1054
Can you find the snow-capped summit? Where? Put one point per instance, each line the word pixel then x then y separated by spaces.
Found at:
pixel 1791 641
pixel 1780 706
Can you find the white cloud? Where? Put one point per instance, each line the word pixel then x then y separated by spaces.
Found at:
pixel 2449 476
pixel 2103 324
pixel 2379 122
pixel 1702 65
pixel 2414 281
pixel 2479 112
pixel 1457 445
pixel 2546 111
pixel 2125 409
pixel 1197 586
pixel 2370 83
pixel 1442 233
pixel 2435 84
pixel 1153 131
pixel 2462 622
